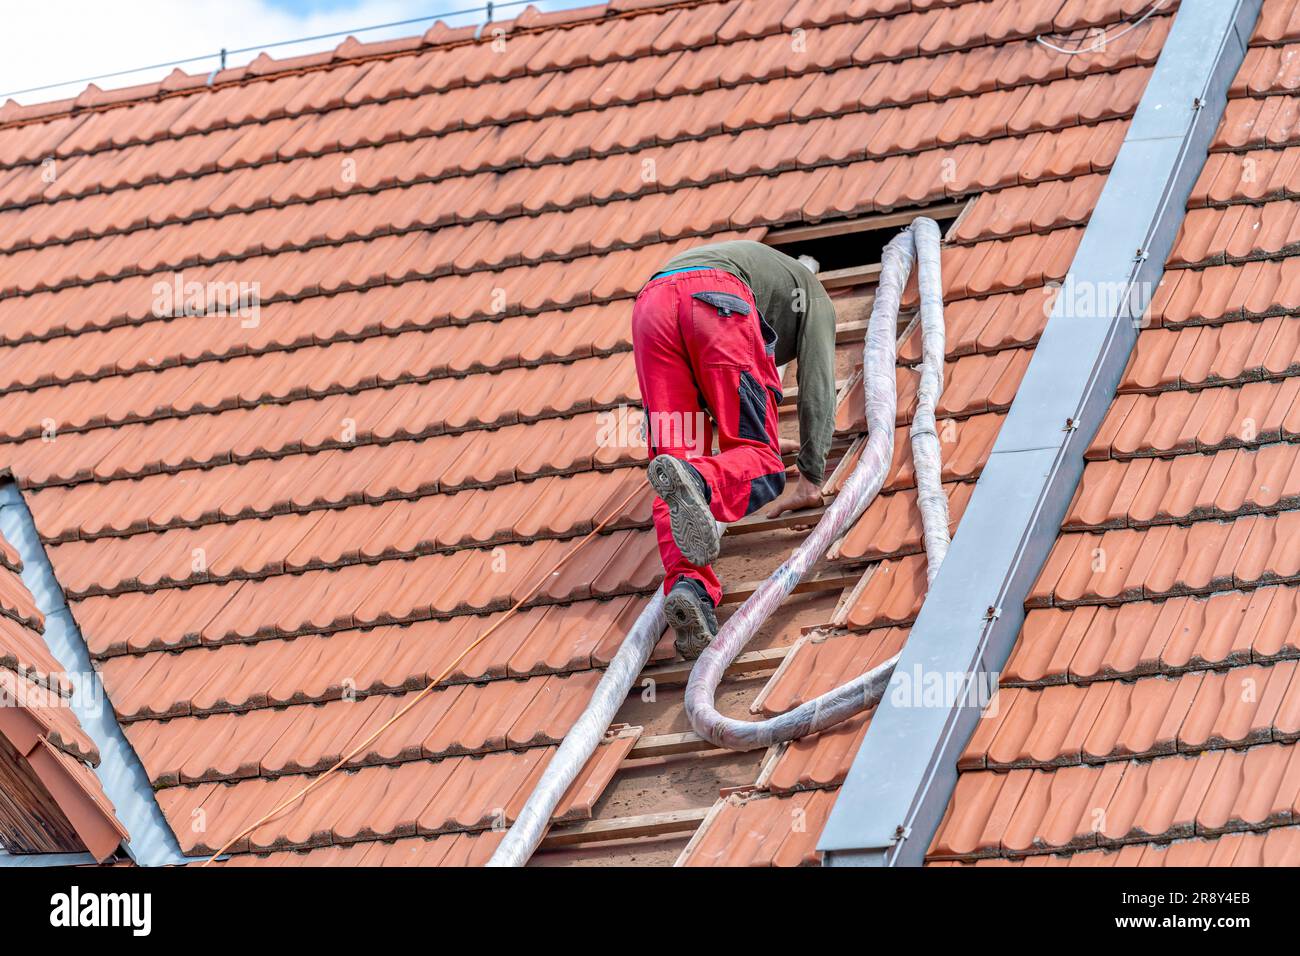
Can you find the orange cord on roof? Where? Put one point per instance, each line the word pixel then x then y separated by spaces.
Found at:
pixel 291 800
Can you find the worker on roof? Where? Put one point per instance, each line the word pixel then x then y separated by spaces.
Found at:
pixel 708 333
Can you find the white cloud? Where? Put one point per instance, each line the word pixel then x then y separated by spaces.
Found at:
pixel 53 41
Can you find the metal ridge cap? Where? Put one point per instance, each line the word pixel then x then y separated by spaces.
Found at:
pixel 151 841
pixel 899 785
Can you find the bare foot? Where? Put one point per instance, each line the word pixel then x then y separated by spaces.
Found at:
pixel 803 494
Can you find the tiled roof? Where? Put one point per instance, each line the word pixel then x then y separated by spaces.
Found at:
pixel 51 801
pixel 271 533
pixel 1001 253
pixel 1279 846
pixel 1151 696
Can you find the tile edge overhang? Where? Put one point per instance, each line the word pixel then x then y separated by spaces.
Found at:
pixel 901 780
pixel 151 841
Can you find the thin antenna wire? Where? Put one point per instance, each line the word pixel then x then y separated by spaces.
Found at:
pixel 1106 38
pixel 269 46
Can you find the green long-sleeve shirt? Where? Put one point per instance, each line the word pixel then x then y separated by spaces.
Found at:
pixel 796 306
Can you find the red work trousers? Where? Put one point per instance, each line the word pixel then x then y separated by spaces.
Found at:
pixel 702 351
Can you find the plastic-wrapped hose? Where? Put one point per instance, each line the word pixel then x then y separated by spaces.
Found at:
pixel 927 464
pixel 862 486
pixel 583 737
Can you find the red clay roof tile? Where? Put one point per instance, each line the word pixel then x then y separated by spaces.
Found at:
pixel 762 831
pixel 1187 490
pixel 205 477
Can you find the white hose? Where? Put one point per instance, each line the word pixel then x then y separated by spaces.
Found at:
pixel 583 737
pixel 878 371
pixel 926 460
pixel 879 359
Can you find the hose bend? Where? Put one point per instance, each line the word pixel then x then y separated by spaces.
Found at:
pixel 921 240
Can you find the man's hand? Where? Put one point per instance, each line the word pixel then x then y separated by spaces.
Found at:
pixel 797 497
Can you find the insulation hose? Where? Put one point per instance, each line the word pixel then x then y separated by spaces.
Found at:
pixel 583 737
pixel 415 699
pixel 926 461
pixel 878 370
pixel 879 358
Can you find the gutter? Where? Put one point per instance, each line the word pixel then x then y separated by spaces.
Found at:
pixel 901 781
pixel 151 842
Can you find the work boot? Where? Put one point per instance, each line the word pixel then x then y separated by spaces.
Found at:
pixel 686 495
pixel 689 610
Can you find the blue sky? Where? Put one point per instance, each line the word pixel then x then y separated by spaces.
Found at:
pixel 53 41
pixel 305 7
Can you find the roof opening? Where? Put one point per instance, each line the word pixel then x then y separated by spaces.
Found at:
pixel 845 244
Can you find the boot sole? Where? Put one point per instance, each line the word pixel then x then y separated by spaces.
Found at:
pixel 686 617
pixel 694 529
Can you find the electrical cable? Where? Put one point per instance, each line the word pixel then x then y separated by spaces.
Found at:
pixel 1105 37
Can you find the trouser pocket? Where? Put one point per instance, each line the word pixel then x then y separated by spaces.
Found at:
pixel 753 410
pixel 724 326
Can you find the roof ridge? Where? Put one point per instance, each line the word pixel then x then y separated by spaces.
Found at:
pixel 350 51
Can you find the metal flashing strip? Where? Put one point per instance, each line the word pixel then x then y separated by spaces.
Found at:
pixel 152 842
pixel 903 775
pixel 46 859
